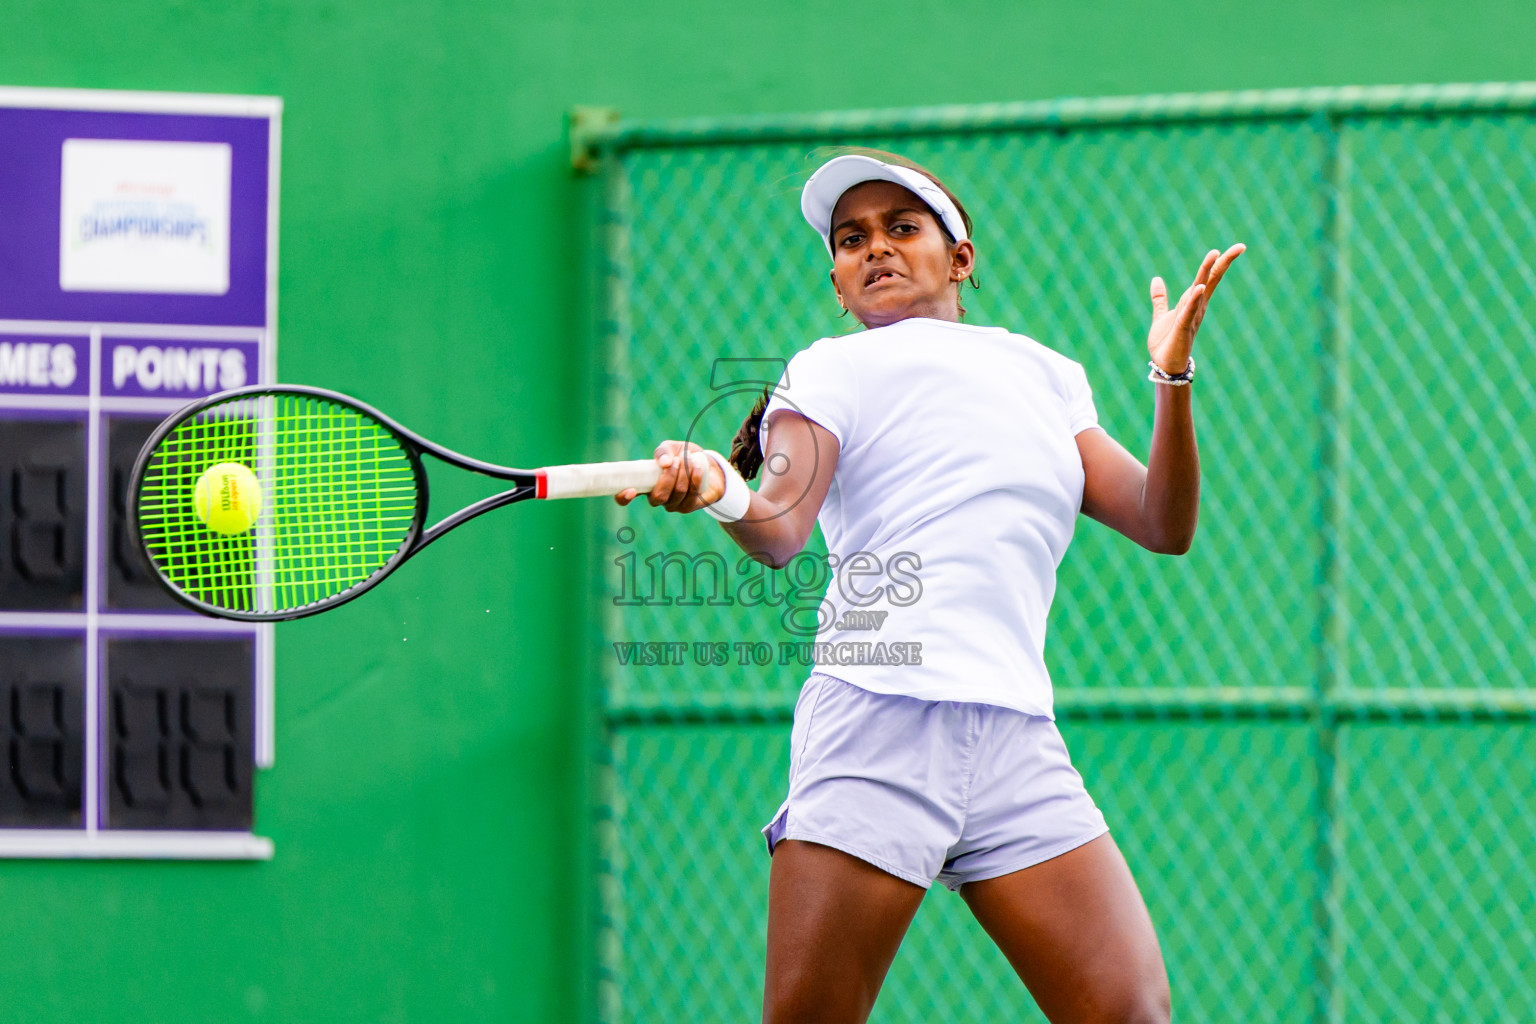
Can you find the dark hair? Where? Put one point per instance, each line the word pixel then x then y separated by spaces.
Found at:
pixel 746 451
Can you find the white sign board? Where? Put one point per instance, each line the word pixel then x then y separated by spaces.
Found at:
pixel 144 217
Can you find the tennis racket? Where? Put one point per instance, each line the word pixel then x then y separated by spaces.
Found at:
pixel 343 496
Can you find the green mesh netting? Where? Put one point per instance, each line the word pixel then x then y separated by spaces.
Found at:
pixel 1312 735
pixel 339 497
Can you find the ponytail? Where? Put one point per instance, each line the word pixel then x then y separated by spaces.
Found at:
pixel 746 450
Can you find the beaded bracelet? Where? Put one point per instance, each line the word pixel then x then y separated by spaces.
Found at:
pixel 1158 376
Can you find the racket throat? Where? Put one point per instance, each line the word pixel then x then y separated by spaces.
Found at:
pixel 519 493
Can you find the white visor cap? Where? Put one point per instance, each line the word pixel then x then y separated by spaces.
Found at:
pixel 841 173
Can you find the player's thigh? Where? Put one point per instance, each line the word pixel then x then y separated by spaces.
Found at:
pixel 834 923
pixel 1076 930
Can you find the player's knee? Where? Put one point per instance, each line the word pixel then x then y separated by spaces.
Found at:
pixel 790 1009
pixel 794 1010
pixel 1147 1003
pixel 1133 1001
pixel 790 1003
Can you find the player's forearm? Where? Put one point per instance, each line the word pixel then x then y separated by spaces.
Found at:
pixel 769 533
pixel 1170 501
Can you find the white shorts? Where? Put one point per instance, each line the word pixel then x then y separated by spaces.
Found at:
pixel 926 790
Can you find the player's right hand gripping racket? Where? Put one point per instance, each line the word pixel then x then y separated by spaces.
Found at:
pixel 342 495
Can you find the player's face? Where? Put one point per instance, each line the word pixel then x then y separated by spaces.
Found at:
pixel 890 258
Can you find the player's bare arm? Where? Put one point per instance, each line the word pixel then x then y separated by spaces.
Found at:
pixel 798 463
pixel 1158 504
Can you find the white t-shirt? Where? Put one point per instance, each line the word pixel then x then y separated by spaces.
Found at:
pixel 957 488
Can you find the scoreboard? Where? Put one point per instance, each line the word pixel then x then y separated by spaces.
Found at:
pixel 138 254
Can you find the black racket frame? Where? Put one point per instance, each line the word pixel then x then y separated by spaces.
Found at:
pixel 417 537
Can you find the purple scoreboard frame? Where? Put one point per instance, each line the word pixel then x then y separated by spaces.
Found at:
pixel 90 355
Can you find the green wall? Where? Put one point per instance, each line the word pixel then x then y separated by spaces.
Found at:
pixel 426 802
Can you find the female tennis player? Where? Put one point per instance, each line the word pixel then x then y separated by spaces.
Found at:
pixel 967 452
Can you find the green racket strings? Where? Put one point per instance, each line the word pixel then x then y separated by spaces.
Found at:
pixel 338 500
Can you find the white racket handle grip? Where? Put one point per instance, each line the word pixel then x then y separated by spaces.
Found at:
pixel 597 479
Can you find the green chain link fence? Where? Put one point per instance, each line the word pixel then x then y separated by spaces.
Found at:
pixel 1312 736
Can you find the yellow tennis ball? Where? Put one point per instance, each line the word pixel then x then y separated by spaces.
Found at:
pixel 227 498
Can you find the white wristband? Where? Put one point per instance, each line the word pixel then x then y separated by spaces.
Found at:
pixel 732 505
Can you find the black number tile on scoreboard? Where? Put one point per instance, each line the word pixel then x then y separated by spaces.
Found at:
pixel 130 582
pixel 179 733
pixel 42 514
pixel 42 730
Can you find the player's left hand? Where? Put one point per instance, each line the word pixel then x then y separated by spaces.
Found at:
pixel 1172 335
